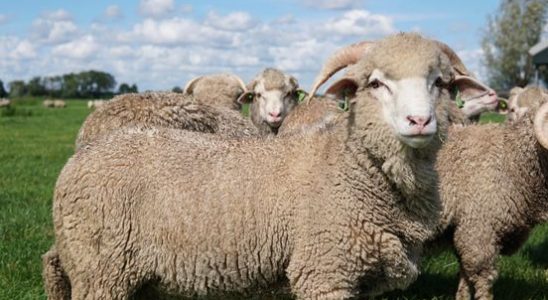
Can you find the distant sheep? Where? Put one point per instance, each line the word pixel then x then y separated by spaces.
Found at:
pixel 59 104
pixel 522 99
pixel 494 189
pixel 272 94
pixel 166 110
pixel 218 90
pixel 48 103
pixel 337 211
pixel 94 104
pixel 5 102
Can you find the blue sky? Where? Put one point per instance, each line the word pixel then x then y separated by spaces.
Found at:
pixel 158 44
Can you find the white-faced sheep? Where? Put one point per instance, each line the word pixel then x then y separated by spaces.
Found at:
pixel 218 90
pixel 521 99
pixel 168 110
pixel 337 211
pixel 5 102
pixel 272 95
pixel 493 187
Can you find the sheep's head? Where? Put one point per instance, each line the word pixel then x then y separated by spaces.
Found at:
pixel 217 89
pixel 473 97
pixel 401 79
pixel 541 124
pixel 272 95
pixel 522 100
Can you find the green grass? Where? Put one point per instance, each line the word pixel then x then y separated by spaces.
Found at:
pixel 35 143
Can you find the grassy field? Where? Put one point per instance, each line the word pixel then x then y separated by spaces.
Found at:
pixel 36 142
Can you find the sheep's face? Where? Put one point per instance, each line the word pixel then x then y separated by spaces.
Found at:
pixel 408 104
pixel 274 105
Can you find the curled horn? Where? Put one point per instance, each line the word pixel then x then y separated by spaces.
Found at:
pixel 456 63
pixel 340 59
pixel 539 125
pixel 190 85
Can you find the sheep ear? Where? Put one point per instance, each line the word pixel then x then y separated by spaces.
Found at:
pixel 469 87
pixel 246 97
pixel 541 125
pixel 343 88
pixel 189 88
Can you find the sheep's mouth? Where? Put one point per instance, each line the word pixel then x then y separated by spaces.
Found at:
pixel 419 140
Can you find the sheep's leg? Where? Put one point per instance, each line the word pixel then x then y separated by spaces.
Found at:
pixel 56 282
pixel 463 291
pixel 477 253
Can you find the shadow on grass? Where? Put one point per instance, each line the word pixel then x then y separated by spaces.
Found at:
pixel 538 254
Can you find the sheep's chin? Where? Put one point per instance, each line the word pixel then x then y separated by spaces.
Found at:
pixel 416 141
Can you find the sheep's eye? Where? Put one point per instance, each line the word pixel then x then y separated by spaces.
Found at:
pixel 512 110
pixel 375 84
pixel 438 82
pixel 289 94
pixel 258 95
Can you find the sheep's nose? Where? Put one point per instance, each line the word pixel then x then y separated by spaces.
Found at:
pixel 419 121
pixel 275 114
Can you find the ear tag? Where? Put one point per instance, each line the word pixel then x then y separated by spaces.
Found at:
pixel 343 105
pixel 459 101
pixel 301 96
pixel 250 97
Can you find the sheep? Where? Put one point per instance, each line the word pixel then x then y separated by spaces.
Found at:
pixel 521 99
pixel 314 116
pixel 59 104
pixel 93 104
pixel 5 102
pixel 219 90
pixel 158 109
pixel 493 187
pixel 338 211
pixel 272 95
pixel 48 103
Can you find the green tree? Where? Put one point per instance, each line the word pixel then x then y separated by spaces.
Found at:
pixel 36 87
pixel 177 89
pixel 512 31
pixel 3 92
pixel 18 88
pixel 123 88
pixel 133 88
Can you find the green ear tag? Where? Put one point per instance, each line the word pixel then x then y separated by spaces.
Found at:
pixel 301 95
pixel 343 104
pixel 459 101
pixel 503 104
pixel 250 97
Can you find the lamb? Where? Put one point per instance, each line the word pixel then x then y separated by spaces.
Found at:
pixel 218 90
pixel 338 211
pixel 170 110
pixel 93 104
pixel 522 99
pixel 272 95
pixel 5 102
pixel 492 211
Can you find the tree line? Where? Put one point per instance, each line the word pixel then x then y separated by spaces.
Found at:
pixel 83 85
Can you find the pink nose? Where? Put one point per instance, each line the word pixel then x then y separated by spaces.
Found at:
pixel 419 121
pixel 275 114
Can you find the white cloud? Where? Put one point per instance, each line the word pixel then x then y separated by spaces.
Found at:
pixel 156 8
pixel 360 23
pixel 235 21
pixel 186 8
pixel 179 31
pixel 24 50
pixel 54 27
pixel 82 48
pixel 113 12
pixel 334 4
